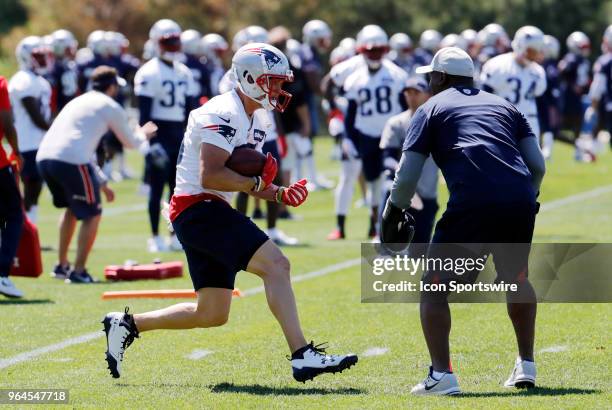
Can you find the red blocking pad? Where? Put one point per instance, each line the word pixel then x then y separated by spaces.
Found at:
pixel 163 270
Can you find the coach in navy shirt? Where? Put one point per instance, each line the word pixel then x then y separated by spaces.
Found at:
pixel 493 168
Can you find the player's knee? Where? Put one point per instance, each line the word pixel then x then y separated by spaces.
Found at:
pixel 280 267
pixel 212 320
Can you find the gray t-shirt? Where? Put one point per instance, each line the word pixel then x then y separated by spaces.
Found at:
pixel 393 136
pixel 77 130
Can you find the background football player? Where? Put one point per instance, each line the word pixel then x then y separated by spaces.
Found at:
pixel 166 94
pixel 374 92
pixel 30 96
pixel 516 76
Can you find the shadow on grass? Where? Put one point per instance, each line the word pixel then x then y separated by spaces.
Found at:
pixel 537 391
pixel 260 390
pixel 25 301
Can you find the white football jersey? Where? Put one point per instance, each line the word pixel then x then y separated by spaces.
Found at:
pixel 167 86
pixel 518 84
pixel 341 71
pixel 28 84
pixel 222 122
pixel 377 96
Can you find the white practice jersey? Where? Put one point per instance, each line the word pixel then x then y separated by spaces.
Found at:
pixel 167 86
pixel 28 84
pixel 76 132
pixel 518 84
pixel 222 122
pixel 341 71
pixel 377 96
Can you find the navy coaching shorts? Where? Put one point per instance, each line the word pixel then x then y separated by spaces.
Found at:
pixel 218 241
pixel 504 231
pixel 72 186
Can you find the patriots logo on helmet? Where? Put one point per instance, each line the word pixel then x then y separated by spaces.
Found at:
pixel 225 131
pixel 270 57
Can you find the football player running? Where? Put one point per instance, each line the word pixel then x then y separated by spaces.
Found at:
pixel 218 240
pixel 30 96
pixel 516 76
pixel 375 94
pixel 166 94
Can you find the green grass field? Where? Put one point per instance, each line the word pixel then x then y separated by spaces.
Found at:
pixel 247 367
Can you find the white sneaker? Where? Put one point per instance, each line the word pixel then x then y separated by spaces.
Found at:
pixel 120 333
pixel 8 289
pixel 311 361
pixel 156 244
pixel 447 385
pixel 523 375
pixel 174 244
pixel 280 238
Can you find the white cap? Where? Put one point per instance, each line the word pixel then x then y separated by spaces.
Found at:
pixel 450 60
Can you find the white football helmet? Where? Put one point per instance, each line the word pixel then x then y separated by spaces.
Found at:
pixel 149 50
pixel 33 55
pixel 83 56
pixel 430 40
pixel 551 47
pixel 166 36
pixel 64 44
pixel 528 37
pixel 316 33
pixel 339 54
pixel 97 43
pixel 256 34
pixel 260 71
pixel 579 43
pixel 239 40
pixel 116 43
pixel 373 44
pixel 493 35
pixel 214 46
pixel 454 40
pixel 191 42
pixel 348 43
pixel 469 35
pixel 401 43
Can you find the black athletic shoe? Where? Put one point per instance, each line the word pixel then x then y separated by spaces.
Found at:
pixel 80 277
pixel 311 361
pixel 258 214
pixel 120 332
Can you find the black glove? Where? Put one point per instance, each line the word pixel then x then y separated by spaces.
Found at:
pixel 397 228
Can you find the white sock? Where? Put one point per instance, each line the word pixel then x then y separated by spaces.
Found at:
pixel 374 192
pixel 346 186
pixel 437 375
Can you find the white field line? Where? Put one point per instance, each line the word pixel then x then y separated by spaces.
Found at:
pixel 554 349
pixel 32 354
pixel 594 193
pixel 198 354
pixel 375 351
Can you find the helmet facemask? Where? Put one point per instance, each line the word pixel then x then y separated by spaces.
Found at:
pixel 170 46
pixel 272 86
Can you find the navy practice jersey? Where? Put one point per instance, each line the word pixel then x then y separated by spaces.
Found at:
pixel 473 137
pixel 574 71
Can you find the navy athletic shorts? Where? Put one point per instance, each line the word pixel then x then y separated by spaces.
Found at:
pixel 72 186
pixel 504 231
pixel 29 171
pixel 218 241
pixel 371 156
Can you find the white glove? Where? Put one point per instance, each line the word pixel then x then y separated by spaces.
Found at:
pixel 349 148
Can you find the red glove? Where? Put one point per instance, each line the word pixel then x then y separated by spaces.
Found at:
pixel 293 195
pixel 267 175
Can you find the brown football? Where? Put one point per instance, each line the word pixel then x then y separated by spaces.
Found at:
pixel 246 161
